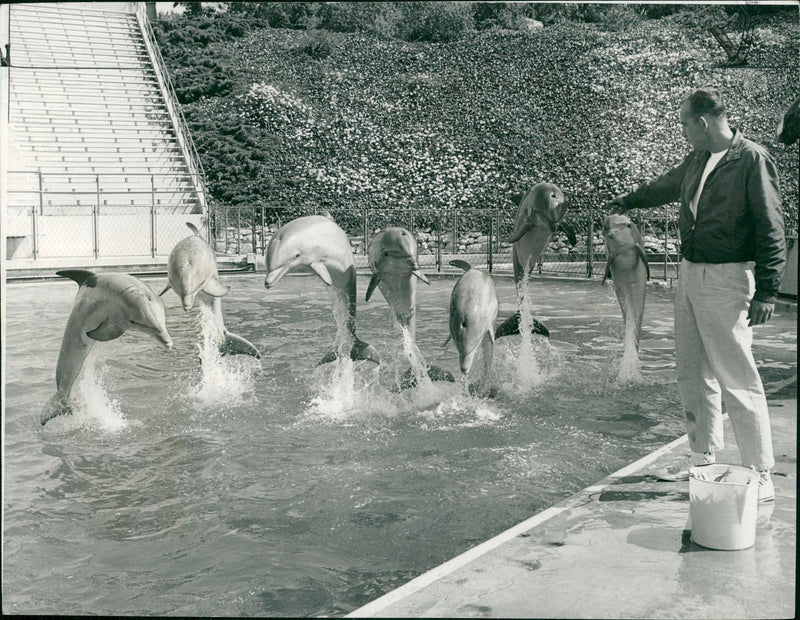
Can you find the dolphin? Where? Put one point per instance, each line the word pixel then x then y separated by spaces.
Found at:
pixel 473 311
pixel 789 125
pixel 627 266
pixel 315 244
pixel 107 305
pixel 192 269
pixel 540 214
pixel 393 260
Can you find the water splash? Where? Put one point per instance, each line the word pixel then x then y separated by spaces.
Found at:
pixel 225 380
pixel 419 368
pixel 629 371
pixel 92 406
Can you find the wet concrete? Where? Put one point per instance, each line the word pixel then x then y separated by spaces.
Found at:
pixel 622 549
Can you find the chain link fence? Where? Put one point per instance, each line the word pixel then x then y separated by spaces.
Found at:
pixel 476 235
pixel 95 216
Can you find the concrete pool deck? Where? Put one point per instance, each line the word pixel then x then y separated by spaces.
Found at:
pixel 621 549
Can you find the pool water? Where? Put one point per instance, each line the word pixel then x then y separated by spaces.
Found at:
pixel 237 487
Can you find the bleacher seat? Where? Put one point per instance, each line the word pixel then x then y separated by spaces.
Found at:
pixel 89 122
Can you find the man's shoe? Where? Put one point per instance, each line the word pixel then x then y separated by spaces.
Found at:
pixel 766 490
pixel 680 470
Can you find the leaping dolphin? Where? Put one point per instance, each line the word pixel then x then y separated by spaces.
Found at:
pixel 395 271
pixel 393 261
pixel 192 269
pixel 107 305
pixel 540 214
pixel 627 266
pixel 315 244
pixel 473 311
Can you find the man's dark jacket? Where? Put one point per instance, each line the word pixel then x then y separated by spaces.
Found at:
pixel 739 215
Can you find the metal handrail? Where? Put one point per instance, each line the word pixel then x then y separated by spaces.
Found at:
pixel 194 161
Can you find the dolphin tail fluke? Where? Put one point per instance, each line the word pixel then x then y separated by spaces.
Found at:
pixel 510 327
pixel 439 374
pixel 236 345
pixel 363 351
pixel 55 407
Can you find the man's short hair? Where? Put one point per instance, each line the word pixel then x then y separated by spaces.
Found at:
pixel 706 101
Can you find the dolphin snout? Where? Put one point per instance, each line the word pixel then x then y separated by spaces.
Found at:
pixel 274 275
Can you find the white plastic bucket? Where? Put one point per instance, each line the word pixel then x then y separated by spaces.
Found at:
pixel 723 504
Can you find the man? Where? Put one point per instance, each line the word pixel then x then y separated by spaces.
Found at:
pixel 732 242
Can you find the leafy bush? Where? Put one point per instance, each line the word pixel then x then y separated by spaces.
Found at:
pixel 465 124
pixel 318 44
pixel 437 22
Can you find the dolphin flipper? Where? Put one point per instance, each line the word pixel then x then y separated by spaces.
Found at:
pixel 322 271
pixel 373 282
pixel 215 288
pixel 510 327
pixel 236 345
pixel 520 232
pixel 420 276
pixel 166 288
pixel 106 331
pixel 642 255
pixel 570 232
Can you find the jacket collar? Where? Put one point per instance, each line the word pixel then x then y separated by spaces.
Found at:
pixel 734 150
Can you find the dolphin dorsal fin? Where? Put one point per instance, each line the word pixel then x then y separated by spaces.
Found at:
pixel 193 228
pixel 327 214
pixel 80 276
pixel 461 264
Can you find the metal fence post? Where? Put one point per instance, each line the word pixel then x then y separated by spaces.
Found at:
pixel 95 223
pixel 253 230
pixel 590 249
pixel 489 245
pixel 41 193
pixel 263 231
pixel 439 247
pixel 666 238
pixel 365 216
pixel 152 216
pixel 35 231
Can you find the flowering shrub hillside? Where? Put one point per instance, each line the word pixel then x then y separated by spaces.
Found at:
pixel 379 122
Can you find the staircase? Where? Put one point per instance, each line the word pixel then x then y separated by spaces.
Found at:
pixel 101 165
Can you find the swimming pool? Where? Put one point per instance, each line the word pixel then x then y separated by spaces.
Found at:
pixel 276 487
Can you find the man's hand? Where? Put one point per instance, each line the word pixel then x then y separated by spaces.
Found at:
pixel 760 312
pixel 617 201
